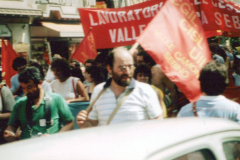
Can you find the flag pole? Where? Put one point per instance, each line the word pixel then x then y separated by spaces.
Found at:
pixel 133 48
pixel 79 44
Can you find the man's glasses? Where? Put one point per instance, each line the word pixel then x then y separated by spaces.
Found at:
pixel 123 68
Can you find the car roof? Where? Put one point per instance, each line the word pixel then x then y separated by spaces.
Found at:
pixel 131 140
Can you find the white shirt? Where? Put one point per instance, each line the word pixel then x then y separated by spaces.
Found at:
pixel 65 89
pixel 141 104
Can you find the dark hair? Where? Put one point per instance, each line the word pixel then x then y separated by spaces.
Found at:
pixel 213 78
pixel 216 49
pixel 142 68
pixel 77 72
pixel 38 66
pixel 30 73
pixel 147 58
pixel 92 61
pixel 18 62
pixel 98 74
pixel 62 66
pixel 110 59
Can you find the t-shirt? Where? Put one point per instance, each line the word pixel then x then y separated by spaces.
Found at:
pixel 141 104
pixel 60 113
pixel 65 89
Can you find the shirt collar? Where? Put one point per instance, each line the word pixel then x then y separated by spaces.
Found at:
pixel 131 85
pixel 207 98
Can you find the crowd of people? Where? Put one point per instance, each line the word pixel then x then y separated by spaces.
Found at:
pixel 127 87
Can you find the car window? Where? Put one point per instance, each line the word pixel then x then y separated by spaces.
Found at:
pixel 232 150
pixel 204 154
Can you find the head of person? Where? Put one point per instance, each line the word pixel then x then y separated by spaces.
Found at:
pixel 31 82
pixel 213 78
pixel 120 66
pixel 143 73
pixel 60 68
pixel 37 65
pixel 19 64
pixel 96 74
pixel 89 62
pixel 77 72
pixel 144 58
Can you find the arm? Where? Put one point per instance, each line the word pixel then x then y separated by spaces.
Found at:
pixel 5 115
pixel 83 121
pixel 9 134
pixel 172 91
pixel 67 127
pixel 82 92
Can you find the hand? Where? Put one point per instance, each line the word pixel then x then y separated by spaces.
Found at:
pixel 81 118
pixel 9 136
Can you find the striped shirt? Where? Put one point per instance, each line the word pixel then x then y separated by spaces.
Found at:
pixel 141 104
pixel 213 106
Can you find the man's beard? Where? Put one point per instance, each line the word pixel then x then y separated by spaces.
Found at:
pixel 118 79
pixel 33 96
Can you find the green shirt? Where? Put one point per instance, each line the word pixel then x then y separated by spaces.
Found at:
pixel 60 113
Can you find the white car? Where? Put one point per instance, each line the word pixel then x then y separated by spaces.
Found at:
pixel 176 138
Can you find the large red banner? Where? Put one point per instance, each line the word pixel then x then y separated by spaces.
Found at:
pixel 119 26
pixel 176 41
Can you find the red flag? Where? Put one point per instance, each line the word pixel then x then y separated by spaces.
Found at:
pixel 86 49
pixel 176 41
pixel 8 55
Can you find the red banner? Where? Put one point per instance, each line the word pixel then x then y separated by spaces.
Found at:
pixel 86 49
pixel 119 26
pixel 8 55
pixel 176 41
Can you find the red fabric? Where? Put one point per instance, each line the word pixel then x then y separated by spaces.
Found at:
pixel 86 49
pixel 220 15
pixel 8 55
pixel 46 58
pixel 176 41
pixel 119 26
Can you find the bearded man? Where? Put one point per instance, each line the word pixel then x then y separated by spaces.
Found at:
pixel 38 113
pixel 142 103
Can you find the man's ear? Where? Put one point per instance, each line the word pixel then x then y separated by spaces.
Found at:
pixel 40 84
pixel 109 69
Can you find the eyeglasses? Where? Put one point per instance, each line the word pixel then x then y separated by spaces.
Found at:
pixel 123 68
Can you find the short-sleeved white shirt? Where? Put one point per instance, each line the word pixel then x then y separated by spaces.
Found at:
pixel 65 89
pixel 213 106
pixel 141 104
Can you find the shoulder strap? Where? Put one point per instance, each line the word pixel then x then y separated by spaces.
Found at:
pixel 119 105
pixel 94 101
pixel 47 112
pixel 194 109
pixel 74 87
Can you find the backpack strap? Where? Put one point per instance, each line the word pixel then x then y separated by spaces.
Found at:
pixel 47 111
pixel 194 109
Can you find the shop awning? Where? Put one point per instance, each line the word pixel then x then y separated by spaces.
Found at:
pixel 50 29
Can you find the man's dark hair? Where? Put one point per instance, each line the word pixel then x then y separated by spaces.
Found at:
pixel 142 68
pixel 147 58
pixel 38 66
pixel 62 66
pixel 19 62
pixel 30 73
pixel 98 73
pixel 213 78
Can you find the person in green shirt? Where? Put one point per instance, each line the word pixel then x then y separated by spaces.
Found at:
pixel 29 112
